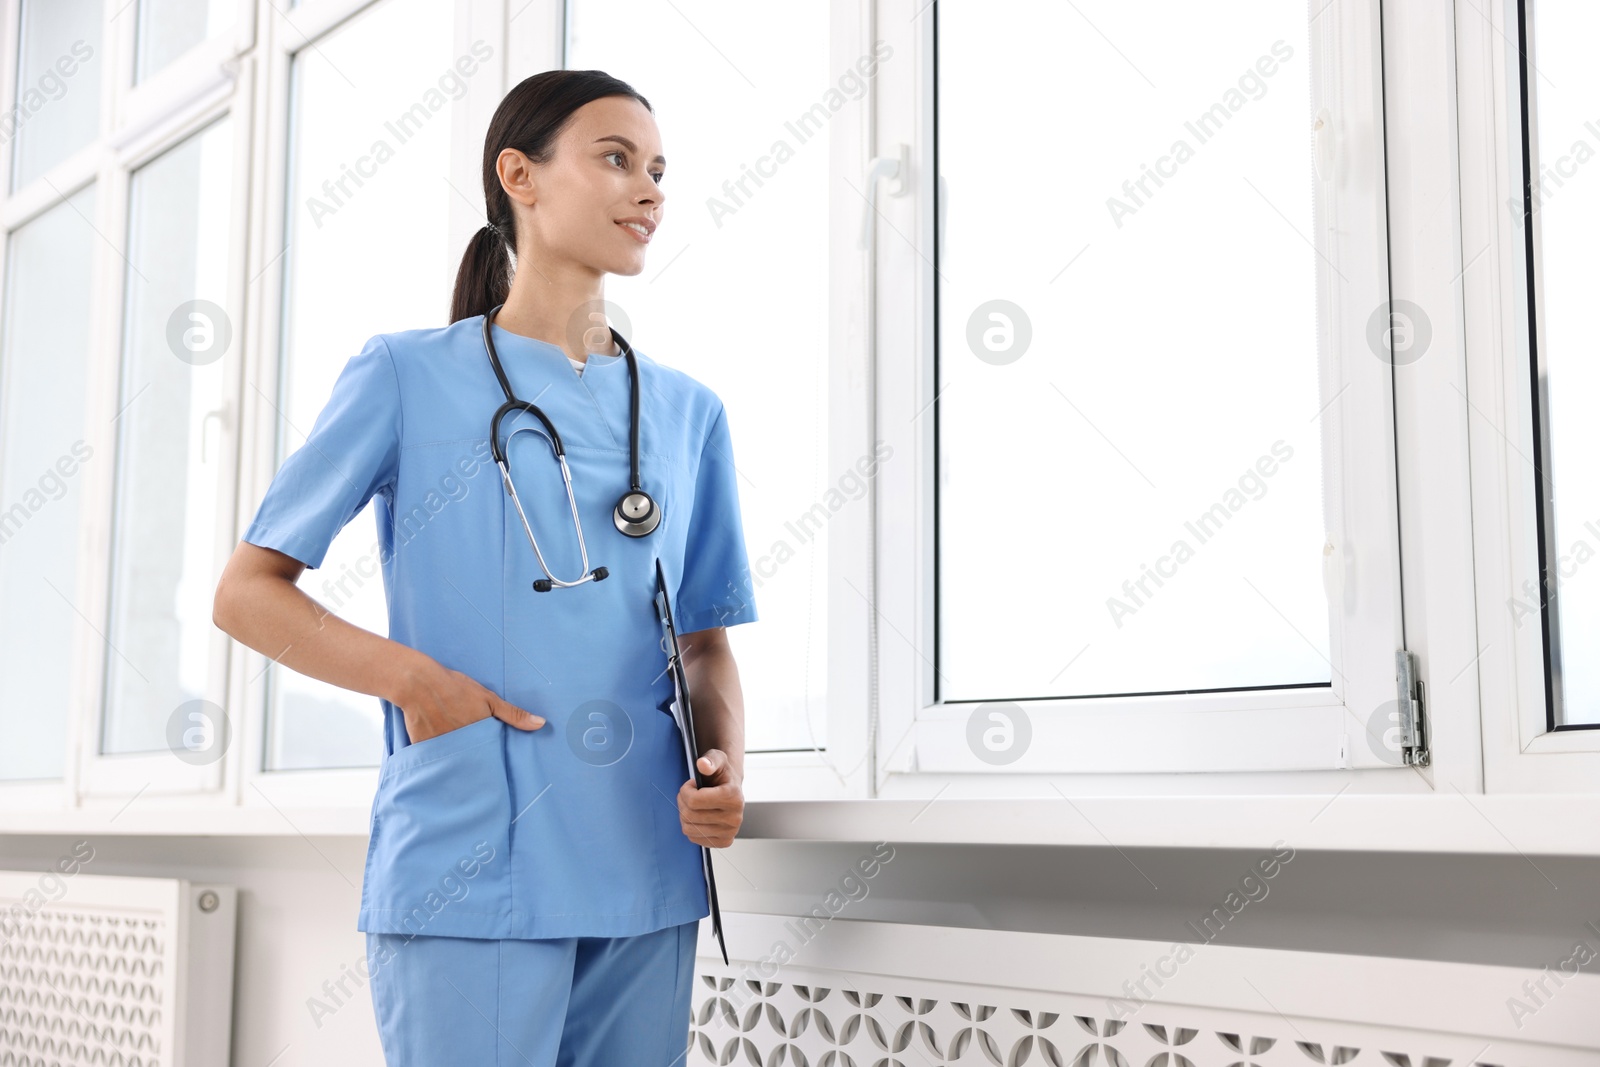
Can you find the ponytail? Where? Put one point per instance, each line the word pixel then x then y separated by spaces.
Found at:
pixel 484 278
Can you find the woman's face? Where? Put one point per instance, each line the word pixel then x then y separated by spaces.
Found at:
pixel 604 173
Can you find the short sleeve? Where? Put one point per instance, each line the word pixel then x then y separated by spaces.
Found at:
pixel 352 451
pixel 716 588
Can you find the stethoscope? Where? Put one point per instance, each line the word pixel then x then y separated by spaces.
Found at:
pixel 636 514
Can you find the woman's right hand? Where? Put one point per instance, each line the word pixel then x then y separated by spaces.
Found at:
pixel 440 700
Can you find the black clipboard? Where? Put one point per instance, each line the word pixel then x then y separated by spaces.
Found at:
pixel 682 713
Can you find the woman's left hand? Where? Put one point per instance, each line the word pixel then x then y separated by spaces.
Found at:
pixel 711 814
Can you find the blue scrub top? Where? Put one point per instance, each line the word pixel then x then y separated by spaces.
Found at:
pixel 487 830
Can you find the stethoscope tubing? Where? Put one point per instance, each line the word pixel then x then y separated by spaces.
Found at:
pixel 626 525
pixel 566 478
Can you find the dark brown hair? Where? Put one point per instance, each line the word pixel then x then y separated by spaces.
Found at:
pixel 529 119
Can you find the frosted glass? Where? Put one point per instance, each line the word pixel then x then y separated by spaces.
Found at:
pixel 169 463
pixel 45 442
pixel 58 86
pixel 169 28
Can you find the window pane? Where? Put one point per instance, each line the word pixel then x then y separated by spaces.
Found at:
pixel 365 257
pixel 1130 470
pixel 169 28
pixel 58 86
pixel 1567 215
pixel 731 83
pixel 176 345
pixel 44 439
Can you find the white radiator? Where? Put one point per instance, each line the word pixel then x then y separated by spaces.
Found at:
pixel 109 970
pixel 841 992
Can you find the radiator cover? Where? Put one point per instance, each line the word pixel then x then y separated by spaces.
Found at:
pixel 114 970
pixel 874 994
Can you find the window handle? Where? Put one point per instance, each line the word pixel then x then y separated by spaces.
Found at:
pixel 221 415
pixel 893 167
pixel 1322 144
pixel 1333 574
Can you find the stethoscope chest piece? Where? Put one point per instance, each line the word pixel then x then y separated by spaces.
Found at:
pixel 636 514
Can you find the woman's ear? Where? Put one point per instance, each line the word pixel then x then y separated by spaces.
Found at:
pixel 518 176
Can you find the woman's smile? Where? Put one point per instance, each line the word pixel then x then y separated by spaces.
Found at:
pixel 640 228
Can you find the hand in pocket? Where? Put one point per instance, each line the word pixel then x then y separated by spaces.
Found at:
pixel 443 700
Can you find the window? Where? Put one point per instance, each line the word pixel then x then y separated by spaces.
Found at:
pixel 1130 463
pixel 1558 216
pixel 747 181
pixel 1526 149
pixel 45 441
pixel 375 79
pixel 1159 370
pixel 57 102
pixel 996 337
pixel 171 460
pixel 169 28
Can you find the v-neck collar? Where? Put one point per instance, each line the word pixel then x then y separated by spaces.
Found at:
pixel 536 367
pixel 548 357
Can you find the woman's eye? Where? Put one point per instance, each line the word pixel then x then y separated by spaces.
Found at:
pixel 657 175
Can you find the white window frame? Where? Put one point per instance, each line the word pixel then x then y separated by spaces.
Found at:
pixel 1521 753
pixel 1465 532
pixel 212 99
pixel 292 791
pixel 136 125
pixel 842 768
pixel 60 182
pixel 1246 731
pixel 534 42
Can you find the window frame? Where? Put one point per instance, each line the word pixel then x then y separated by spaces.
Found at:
pixel 1450 460
pixel 65 179
pixel 135 126
pixel 1275 729
pixel 1521 752
pixel 212 99
pixel 303 789
pixel 139 106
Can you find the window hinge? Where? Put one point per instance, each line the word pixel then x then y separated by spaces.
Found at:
pixel 1413 711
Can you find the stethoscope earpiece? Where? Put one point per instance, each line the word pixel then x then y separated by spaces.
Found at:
pixel 636 514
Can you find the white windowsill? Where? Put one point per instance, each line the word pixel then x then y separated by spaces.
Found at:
pixel 1528 824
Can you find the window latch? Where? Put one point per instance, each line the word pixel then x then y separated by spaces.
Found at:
pixel 896 168
pixel 1322 144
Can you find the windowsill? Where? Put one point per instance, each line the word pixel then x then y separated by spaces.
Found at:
pixel 1531 824
pixel 1534 824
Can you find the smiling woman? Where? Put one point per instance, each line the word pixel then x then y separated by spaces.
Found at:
pixel 489 647
pixel 605 159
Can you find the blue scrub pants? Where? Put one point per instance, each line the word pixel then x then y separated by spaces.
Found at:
pixel 546 1002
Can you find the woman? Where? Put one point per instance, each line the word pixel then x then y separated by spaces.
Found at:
pixel 533 886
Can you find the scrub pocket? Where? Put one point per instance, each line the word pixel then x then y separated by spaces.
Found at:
pixel 439 852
